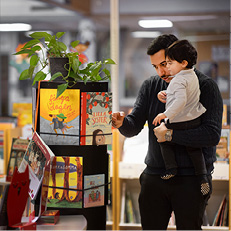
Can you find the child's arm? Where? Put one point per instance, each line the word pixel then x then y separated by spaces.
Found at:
pixel 158 118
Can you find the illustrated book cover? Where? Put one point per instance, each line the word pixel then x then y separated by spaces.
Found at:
pixel 65 183
pixel 222 148
pixel 37 156
pixel 96 115
pixel 18 149
pixel 94 190
pixel 59 117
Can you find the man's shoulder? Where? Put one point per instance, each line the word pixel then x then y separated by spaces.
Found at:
pixel 204 79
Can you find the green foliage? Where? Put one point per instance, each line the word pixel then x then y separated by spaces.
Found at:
pixel 55 48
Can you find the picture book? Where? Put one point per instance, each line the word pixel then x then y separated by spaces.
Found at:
pixel 6 123
pixel 18 149
pixel 37 156
pixel 96 115
pixel 222 149
pixel 23 111
pixel 49 217
pixel 65 183
pixel 94 190
pixel 59 117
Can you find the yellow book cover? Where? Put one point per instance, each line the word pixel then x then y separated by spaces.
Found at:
pixel 65 183
pixel 59 117
pixel 23 111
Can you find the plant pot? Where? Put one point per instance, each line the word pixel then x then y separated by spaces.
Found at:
pixel 59 65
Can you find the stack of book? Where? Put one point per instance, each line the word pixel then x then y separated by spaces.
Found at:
pixel 49 217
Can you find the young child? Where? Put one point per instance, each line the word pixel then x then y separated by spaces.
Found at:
pixel 182 109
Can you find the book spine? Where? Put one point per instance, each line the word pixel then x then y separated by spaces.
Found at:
pixel 83 118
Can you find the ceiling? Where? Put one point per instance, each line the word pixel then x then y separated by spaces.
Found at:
pixel 188 16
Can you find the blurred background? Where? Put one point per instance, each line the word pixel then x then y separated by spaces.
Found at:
pixel 205 23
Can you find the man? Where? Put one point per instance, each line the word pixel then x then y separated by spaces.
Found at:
pixel 181 194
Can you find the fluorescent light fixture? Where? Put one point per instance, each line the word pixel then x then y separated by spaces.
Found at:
pixel 162 23
pixel 15 27
pixel 145 34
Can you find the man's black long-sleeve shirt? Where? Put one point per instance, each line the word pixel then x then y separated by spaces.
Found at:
pixel 207 136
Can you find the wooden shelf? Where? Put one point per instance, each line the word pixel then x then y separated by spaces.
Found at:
pixel 133 226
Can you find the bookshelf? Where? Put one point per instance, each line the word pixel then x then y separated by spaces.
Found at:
pixel 128 174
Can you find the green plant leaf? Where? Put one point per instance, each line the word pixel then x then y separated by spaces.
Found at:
pixel 94 69
pixel 75 64
pixel 31 43
pixel 40 35
pixel 74 43
pixel 85 71
pixel 25 51
pixel 60 34
pixel 34 60
pixel 97 78
pixel 31 71
pixel 56 75
pixel 62 46
pixel 108 61
pixel 86 79
pixel 96 66
pixel 75 76
pixel 106 71
pixel 61 88
pixel 24 75
pixel 39 76
pixel 36 48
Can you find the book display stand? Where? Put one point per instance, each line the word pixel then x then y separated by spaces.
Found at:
pixel 95 159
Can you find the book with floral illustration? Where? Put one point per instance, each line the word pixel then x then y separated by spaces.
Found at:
pixel 96 114
pixel 65 183
pixel 59 117
pixel 18 149
pixel 94 190
pixel 37 156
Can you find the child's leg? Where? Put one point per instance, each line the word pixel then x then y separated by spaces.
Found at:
pixel 169 160
pixel 198 160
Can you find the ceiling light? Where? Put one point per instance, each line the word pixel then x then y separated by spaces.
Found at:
pixel 145 34
pixel 15 27
pixel 155 23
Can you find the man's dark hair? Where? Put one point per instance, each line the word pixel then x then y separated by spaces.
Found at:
pixel 182 50
pixel 160 43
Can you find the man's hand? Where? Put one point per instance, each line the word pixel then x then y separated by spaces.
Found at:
pixel 160 132
pixel 117 119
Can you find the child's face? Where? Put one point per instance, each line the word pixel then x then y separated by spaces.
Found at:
pixel 175 67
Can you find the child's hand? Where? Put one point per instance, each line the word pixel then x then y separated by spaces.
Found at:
pixel 162 96
pixel 158 118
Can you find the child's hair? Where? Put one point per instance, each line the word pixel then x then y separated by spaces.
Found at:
pixel 182 50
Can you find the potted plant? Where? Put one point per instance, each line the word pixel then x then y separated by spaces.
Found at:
pixel 52 48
